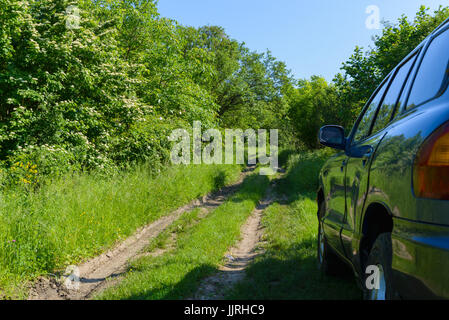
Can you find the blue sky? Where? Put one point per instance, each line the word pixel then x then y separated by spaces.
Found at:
pixel 312 37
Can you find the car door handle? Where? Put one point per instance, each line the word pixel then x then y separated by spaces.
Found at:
pixel 368 154
pixel 343 165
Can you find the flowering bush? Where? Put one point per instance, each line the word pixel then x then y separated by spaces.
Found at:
pixel 23 174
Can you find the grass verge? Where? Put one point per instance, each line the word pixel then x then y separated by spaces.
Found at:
pixel 288 269
pixel 198 251
pixel 79 216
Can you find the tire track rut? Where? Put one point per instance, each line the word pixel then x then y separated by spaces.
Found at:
pixel 102 271
pixel 238 257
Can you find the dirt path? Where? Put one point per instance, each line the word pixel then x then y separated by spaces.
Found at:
pixel 98 273
pixel 239 257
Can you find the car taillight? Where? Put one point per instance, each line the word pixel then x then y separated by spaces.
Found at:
pixel 431 171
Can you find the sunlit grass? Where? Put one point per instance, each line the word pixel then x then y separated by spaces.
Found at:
pixel 79 216
pixel 198 251
pixel 288 269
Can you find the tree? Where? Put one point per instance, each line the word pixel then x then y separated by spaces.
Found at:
pixel 314 104
pixel 364 71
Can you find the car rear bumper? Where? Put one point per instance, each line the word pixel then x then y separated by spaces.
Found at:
pixel 421 259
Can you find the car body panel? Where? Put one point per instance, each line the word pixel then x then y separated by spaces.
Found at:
pixel 334 175
pixel 392 167
pixel 415 245
pixel 357 182
pixel 420 235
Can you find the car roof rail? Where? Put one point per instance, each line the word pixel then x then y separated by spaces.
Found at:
pixel 440 26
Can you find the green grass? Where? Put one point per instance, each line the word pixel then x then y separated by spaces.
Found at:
pixel 288 269
pixel 79 216
pixel 165 240
pixel 198 251
pixel 71 219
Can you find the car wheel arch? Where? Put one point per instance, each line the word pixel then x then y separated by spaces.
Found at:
pixel 376 220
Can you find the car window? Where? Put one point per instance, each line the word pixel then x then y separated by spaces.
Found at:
pixel 433 74
pixel 387 108
pixel 403 96
pixel 364 127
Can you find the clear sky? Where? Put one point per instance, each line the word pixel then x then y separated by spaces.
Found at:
pixel 311 36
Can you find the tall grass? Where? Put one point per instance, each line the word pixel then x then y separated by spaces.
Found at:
pixel 288 269
pixel 199 250
pixel 78 216
pixel 302 172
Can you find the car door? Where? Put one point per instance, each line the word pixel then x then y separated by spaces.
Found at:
pixel 334 174
pixel 370 132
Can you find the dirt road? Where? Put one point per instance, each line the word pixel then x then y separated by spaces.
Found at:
pixel 104 270
pixel 239 257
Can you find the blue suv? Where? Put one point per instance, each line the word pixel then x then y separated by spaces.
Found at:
pixel 384 196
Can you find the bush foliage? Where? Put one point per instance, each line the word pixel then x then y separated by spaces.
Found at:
pixel 99 84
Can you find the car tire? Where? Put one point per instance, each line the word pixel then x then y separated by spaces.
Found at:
pixel 328 262
pixel 379 262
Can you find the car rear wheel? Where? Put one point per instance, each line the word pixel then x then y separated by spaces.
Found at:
pixel 378 284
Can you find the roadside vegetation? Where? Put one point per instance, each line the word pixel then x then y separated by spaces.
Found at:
pixel 79 216
pixel 90 92
pixel 288 269
pixel 199 249
pixel 89 85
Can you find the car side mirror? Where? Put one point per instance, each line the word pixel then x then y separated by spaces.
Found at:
pixel 333 137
